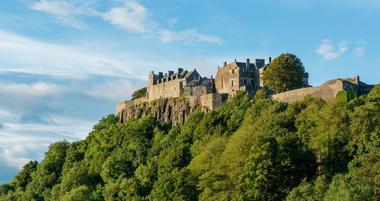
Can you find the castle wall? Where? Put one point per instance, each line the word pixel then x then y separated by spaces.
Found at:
pixel 327 92
pixel 213 100
pixel 166 89
pixel 227 80
pixel 126 104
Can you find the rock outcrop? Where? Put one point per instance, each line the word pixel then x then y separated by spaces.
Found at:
pixel 168 110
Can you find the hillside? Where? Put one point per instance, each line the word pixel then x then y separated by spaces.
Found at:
pixel 247 149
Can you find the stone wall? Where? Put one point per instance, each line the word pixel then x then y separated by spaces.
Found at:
pixel 327 92
pixel 166 89
pixel 213 100
pixel 227 79
pixel 130 103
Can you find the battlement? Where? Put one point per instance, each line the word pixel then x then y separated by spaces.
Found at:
pixel 169 76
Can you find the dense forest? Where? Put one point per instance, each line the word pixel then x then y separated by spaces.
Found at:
pixel 249 149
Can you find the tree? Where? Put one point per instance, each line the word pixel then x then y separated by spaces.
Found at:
pixel 139 93
pixel 82 193
pixel 25 176
pixel 284 73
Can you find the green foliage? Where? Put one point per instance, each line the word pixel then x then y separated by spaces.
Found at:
pixel 284 73
pixel 249 149
pixel 139 93
pixel 25 175
pixel 345 96
pixel 82 193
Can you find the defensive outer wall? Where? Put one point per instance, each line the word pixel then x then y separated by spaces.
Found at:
pixel 326 91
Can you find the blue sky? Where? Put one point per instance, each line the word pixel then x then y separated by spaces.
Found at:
pixel 64 64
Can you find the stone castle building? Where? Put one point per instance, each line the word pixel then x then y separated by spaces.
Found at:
pixel 230 78
pixel 193 90
pixel 172 96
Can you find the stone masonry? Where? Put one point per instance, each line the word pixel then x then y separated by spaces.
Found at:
pixel 326 91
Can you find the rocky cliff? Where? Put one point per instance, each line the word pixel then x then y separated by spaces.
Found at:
pixel 169 110
pixel 165 110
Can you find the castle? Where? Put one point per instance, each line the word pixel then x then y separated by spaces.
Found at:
pixel 172 96
pixel 230 78
pixel 195 90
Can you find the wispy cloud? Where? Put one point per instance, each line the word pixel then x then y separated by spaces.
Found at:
pixel 329 51
pixel 359 52
pixel 38 89
pixel 130 15
pixel 20 53
pixel 172 21
pixel 65 11
pixel 188 36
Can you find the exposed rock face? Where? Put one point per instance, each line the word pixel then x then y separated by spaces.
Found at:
pixel 169 110
pixel 165 110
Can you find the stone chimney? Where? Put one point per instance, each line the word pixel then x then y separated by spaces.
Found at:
pixel 248 64
pixel 170 73
pixel 270 59
pixel 160 74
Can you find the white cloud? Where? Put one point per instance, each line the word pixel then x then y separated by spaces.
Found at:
pixel 359 52
pixel 188 36
pixel 19 53
pixel 132 16
pixel 20 142
pixel 30 90
pixel 329 51
pixel 172 21
pixel 63 10
pixel 115 90
pixel 14 153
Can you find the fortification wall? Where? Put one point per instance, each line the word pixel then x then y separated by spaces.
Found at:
pixel 213 100
pixel 224 78
pixel 327 92
pixel 165 89
pixel 130 103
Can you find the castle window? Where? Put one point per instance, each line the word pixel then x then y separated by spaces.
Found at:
pixel 232 83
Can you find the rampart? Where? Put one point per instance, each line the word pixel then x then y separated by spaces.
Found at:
pixel 326 91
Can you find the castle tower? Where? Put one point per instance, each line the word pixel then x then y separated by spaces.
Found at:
pixel 152 80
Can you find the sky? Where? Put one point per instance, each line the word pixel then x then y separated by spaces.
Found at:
pixel 64 64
